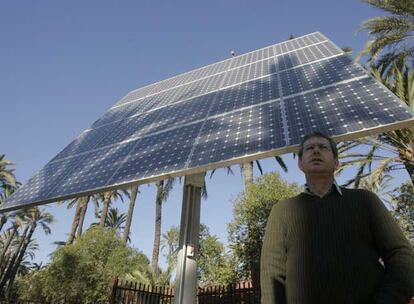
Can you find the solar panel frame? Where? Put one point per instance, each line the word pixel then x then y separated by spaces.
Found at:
pixel 271 84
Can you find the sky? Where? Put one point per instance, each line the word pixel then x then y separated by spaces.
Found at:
pixel 64 63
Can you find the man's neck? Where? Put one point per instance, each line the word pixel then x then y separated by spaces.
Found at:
pixel 320 185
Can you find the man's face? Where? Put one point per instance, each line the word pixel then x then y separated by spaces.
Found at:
pixel 318 157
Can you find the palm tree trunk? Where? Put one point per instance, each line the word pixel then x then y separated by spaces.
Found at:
pixel 106 202
pixel 75 223
pixel 3 221
pixel 20 256
pixel 7 244
pixel 85 201
pixel 247 174
pixel 4 264
pixel 134 191
pixel 157 232
pixel 7 272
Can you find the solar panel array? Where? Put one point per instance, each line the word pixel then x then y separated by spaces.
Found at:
pixel 250 106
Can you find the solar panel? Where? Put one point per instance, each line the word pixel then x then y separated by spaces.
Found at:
pixel 247 107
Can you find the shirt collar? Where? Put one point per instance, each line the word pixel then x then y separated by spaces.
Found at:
pixel 335 187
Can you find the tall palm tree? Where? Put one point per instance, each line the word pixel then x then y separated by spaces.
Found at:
pixel 6 239
pixel 247 170
pixel 170 241
pixel 10 234
pixel 132 198
pixel 163 189
pixel 23 268
pixel 7 268
pixel 107 197
pixel 84 208
pixel 6 174
pixel 393 34
pixel 115 219
pixel 75 221
pixel 79 218
pixel 398 145
pixel 8 184
pixel 34 217
pixel 402 206
pixel 11 256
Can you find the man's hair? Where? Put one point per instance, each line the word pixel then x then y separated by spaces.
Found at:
pixel 318 134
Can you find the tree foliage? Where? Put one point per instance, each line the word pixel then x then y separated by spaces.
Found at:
pixel 214 265
pixel 393 34
pixel 83 271
pixel 403 209
pixel 251 210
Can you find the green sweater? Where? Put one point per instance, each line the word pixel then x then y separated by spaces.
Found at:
pixel 326 250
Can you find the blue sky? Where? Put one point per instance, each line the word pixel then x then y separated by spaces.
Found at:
pixel 64 63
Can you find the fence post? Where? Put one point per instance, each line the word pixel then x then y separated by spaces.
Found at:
pixel 113 291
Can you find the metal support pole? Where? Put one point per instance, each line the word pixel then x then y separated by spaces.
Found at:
pixel 186 276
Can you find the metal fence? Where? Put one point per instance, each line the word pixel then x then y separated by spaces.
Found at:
pixel 240 293
pixel 124 292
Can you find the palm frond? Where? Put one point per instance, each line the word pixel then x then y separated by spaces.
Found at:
pixel 259 166
pixel 404 8
pixel 281 163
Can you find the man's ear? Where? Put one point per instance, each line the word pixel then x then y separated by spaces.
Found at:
pixel 336 164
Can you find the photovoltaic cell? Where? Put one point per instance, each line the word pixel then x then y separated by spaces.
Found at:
pixel 245 94
pixel 319 74
pixel 250 106
pixel 342 109
pixel 248 131
pixel 158 153
pixel 93 170
pixel 39 186
pixel 223 66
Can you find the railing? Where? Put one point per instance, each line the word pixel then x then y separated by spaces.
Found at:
pixel 124 292
pixel 240 293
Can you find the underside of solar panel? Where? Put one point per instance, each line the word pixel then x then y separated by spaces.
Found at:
pixel 248 107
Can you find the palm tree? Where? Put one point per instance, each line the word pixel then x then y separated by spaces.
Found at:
pixel 170 241
pixel 163 189
pixel 25 265
pixel 6 174
pixel 402 205
pixel 247 170
pixel 107 197
pixel 79 218
pixel 393 34
pixel 115 219
pixel 7 268
pixel 132 198
pixel 11 233
pixel 392 150
pixel 8 184
pixel 75 221
pixel 84 208
pixel 34 217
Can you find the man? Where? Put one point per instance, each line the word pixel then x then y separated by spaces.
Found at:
pixel 324 245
